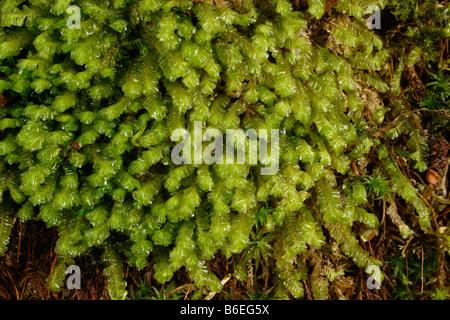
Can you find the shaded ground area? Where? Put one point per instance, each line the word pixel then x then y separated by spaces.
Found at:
pixel 25 268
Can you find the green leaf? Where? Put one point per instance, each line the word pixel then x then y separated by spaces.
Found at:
pixel 316 8
pixel 146 193
pixel 6 224
pixel 114 274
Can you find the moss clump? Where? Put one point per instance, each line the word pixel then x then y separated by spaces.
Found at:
pixel 87 135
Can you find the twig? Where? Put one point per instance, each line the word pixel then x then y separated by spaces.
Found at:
pixel 76 292
pixel 18 245
pixel 15 288
pixel 51 272
pixel 224 280
pixel 383 220
pixel 421 277
pixel 187 292
pixel 442 112
pixel 407 277
pixel 403 254
pixel 390 69
pixel 443 49
pixel 188 285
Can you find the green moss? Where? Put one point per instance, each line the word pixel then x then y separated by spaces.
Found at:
pixel 86 137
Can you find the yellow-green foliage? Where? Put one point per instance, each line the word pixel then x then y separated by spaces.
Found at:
pixel 86 138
